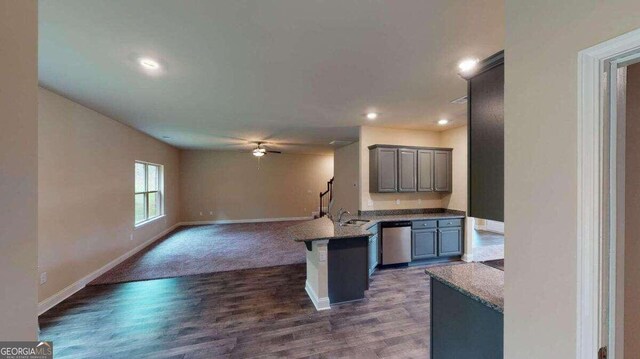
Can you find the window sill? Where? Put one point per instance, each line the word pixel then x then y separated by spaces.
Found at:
pixel 148 221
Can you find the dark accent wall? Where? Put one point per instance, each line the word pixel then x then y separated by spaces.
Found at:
pixel 486 140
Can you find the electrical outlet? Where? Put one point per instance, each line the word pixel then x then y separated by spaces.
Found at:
pixel 419 200
pixel 322 256
pixel 370 203
pixel 131 237
pixel 397 201
pixel 200 213
pixel 43 278
pixel 211 213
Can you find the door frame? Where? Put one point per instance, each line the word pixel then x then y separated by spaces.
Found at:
pixel 598 122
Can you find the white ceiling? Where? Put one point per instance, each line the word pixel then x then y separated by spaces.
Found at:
pixel 296 72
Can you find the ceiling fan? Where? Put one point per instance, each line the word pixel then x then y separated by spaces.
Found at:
pixel 260 151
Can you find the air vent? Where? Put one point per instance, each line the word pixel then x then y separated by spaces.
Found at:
pixel 460 100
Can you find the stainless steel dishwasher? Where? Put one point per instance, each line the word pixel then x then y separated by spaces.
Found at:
pixel 396 242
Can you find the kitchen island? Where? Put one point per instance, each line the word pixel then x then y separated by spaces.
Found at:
pixel 340 258
pixel 467 306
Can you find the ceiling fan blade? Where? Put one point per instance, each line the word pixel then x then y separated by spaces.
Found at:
pixel 274 151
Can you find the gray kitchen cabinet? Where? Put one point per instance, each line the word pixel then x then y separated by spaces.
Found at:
pixel 373 253
pixel 425 170
pixel 449 241
pixel 424 243
pixel 407 167
pixel 442 171
pixel 383 170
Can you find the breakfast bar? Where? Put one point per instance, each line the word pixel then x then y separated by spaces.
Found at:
pixel 341 255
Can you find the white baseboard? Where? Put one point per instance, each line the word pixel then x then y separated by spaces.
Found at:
pixel 74 287
pixel 256 220
pixel 491 226
pixel 319 303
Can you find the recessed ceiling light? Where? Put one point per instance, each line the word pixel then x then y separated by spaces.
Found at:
pixel 372 115
pixel 467 65
pixel 443 121
pixel 149 63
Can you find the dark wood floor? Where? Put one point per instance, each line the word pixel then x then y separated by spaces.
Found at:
pixel 241 314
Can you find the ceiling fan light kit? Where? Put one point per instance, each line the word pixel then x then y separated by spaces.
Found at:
pixel 260 151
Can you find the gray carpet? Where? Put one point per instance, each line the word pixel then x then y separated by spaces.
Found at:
pixel 211 248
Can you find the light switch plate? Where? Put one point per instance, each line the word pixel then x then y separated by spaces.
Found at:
pixel 43 278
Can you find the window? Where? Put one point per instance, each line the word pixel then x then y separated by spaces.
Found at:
pixel 148 192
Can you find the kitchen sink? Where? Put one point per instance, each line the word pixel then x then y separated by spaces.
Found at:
pixel 354 222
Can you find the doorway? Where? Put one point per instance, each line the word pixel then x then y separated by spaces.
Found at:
pixel 608 200
pixel 627 309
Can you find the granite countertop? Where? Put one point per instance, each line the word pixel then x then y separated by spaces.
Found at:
pixel 478 281
pixel 324 228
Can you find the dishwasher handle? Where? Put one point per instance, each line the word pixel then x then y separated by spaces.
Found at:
pixel 396 224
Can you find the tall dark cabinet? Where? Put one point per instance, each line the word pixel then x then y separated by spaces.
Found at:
pixel 486 139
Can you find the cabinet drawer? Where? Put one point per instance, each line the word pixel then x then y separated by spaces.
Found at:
pixel 457 222
pixel 424 224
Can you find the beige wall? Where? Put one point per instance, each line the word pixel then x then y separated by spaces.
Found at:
pixel 543 39
pixel 18 169
pixel 381 135
pixel 456 138
pixel 346 191
pixel 85 187
pixel 632 213
pixel 235 186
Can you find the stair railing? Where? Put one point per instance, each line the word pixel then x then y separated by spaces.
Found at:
pixel 326 197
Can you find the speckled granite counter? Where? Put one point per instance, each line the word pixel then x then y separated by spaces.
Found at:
pixel 324 228
pixel 475 280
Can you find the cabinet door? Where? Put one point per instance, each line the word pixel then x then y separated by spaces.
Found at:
pixel 373 253
pixel 383 170
pixel 442 171
pixel 450 241
pixel 407 170
pixel 423 244
pixel 425 170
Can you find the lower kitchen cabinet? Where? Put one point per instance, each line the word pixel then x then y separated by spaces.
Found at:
pixel 450 241
pixel 424 244
pixel 373 253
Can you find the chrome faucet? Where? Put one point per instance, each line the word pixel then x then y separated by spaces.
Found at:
pixel 342 212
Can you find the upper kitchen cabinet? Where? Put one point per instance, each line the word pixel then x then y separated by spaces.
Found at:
pixel 383 170
pixel 407 167
pixel 425 171
pixel 442 171
pixel 415 169
pixel 485 93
